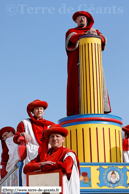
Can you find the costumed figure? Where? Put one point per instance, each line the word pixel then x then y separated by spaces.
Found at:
pixel 9 154
pixel 58 157
pixel 84 21
pixel 125 144
pixel 32 129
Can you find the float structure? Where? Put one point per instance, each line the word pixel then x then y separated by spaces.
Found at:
pixel 96 137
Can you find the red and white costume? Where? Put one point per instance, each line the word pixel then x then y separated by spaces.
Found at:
pixel 9 154
pixel 65 159
pixel 35 129
pixel 72 49
pixel 125 144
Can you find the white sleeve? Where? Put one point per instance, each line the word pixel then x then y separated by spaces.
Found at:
pixel 13 153
pixel 67 42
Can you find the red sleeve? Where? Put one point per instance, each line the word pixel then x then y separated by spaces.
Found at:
pixel 75 37
pixel 66 166
pixel 71 43
pixel 20 129
pixel 103 40
pixel 125 144
pixel 125 141
pixel 33 165
pixel 4 155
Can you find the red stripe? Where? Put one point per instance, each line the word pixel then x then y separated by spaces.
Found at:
pixel 96 77
pixel 110 145
pixel 116 145
pixel 89 77
pixel 82 92
pixel 119 145
pixel 93 103
pixel 97 144
pixel 99 74
pixel 83 145
pixel 66 142
pixel 76 144
pixel 84 98
pixel 90 145
pixel 80 86
pixel 104 146
pixel 91 119
pixel 86 84
pixel 70 140
pixel 100 79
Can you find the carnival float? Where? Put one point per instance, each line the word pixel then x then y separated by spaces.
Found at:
pixel 94 136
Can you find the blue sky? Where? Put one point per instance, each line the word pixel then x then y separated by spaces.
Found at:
pixel 33 61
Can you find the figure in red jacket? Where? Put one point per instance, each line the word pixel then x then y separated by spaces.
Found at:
pixel 84 22
pixel 58 157
pixel 32 130
pixel 9 156
pixel 125 144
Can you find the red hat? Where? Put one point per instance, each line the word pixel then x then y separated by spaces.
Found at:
pixel 83 13
pixel 126 129
pixel 5 129
pixel 55 128
pixel 37 103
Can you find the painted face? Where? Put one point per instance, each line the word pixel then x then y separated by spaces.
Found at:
pixel 56 140
pixel 38 112
pixel 81 21
pixel 113 176
pixel 6 135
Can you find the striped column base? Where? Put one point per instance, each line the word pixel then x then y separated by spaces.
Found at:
pixel 94 137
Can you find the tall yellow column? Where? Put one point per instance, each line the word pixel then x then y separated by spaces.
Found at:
pixel 91 81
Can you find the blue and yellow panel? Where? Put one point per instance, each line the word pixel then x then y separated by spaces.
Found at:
pixel 104 178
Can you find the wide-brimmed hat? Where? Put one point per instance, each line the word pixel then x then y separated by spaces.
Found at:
pixel 126 129
pixel 82 13
pixel 55 129
pixel 37 103
pixel 6 129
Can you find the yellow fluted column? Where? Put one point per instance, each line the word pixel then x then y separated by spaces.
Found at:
pixel 91 81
